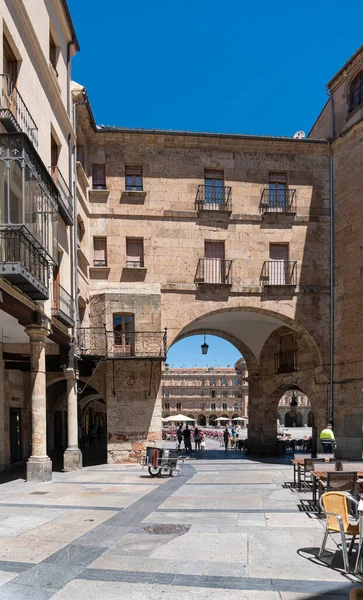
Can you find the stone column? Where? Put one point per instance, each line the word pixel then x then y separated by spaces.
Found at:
pixel 72 458
pixel 39 465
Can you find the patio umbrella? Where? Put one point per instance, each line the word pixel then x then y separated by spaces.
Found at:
pixel 178 418
pixel 237 419
pixel 222 419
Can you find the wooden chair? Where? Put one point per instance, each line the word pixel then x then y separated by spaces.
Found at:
pixel 336 507
pixel 308 466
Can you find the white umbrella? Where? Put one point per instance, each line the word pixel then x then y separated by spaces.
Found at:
pixel 222 419
pixel 178 418
pixel 237 419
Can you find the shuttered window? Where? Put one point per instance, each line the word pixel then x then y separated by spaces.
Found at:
pixel 10 64
pixel 98 177
pixel 133 177
pixel 134 252
pixel 99 252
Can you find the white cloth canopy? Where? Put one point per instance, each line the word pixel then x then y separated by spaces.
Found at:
pixel 222 419
pixel 237 419
pixel 178 418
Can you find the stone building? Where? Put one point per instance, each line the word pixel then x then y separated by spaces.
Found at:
pixel 37 43
pixel 204 394
pixel 154 236
pixel 294 410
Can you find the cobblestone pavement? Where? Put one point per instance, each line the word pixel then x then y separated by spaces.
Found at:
pixel 229 526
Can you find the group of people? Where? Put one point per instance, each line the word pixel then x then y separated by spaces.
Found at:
pixel 230 438
pixel 199 438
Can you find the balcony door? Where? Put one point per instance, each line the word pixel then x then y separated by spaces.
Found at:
pixel 214 270
pixel 278 268
pixel 124 334
pixel 277 195
pixel 287 353
pixel 214 187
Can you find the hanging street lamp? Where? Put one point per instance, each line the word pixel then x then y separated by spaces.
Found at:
pixel 204 347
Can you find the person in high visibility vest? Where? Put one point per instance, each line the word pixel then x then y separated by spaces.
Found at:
pixel 327 438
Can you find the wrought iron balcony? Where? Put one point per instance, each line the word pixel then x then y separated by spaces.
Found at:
pixel 22 262
pixel 65 203
pixel 279 272
pixel 14 113
pixel 100 263
pixel 278 201
pixel 214 271
pixel 211 197
pixel 63 306
pixel 135 264
pixel 285 362
pixel 97 342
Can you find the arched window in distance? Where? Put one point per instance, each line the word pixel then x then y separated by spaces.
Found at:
pixel 356 92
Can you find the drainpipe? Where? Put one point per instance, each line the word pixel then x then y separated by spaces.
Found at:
pixel 70 185
pixel 75 207
pixel 332 302
pixel 69 77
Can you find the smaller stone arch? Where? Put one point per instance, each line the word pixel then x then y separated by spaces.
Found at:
pixel 212 420
pixel 202 420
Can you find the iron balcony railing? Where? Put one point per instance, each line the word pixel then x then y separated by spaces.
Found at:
pixel 100 263
pixel 65 196
pixel 63 305
pixel 214 271
pixel 286 362
pixel 211 197
pixel 14 111
pixel 98 342
pixel 278 201
pixel 135 264
pixel 22 262
pixel 279 272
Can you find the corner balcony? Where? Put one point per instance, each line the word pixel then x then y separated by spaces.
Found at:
pixel 278 201
pixel 63 306
pixel 279 273
pixel 65 199
pixel 214 271
pixel 98 343
pixel 14 114
pixel 22 262
pixel 214 198
pixel 285 362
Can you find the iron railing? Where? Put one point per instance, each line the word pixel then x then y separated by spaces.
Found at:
pixel 63 306
pixel 12 104
pixel 214 271
pixel 211 197
pixel 279 272
pixel 286 362
pixel 278 201
pixel 98 342
pixel 23 263
pixel 65 196
pixel 135 264
pixel 100 263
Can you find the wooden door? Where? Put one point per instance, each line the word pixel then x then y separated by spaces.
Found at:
pixel 214 262
pixel 278 268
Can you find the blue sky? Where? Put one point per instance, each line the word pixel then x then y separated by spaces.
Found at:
pixel 236 66
pixel 188 352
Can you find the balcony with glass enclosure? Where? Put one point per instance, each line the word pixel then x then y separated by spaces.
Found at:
pixel 28 216
pixel 14 114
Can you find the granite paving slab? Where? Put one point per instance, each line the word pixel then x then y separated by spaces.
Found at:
pixel 209 546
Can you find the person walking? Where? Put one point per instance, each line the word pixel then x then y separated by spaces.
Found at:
pixel 327 438
pixel 197 438
pixel 187 442
pixel 226 438
pixel 179 436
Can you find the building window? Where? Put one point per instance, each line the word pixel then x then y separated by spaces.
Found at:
pixel 213 187
pixel 10 64
pixel 356 92
pixel 224 393
pixel 53 53
pixel 224 381
pixel 133 179
pixel 123 330
pixel 213 405
pixel 100 252
pixel 224 406
pixel 134 252
pixel 235 382
pixel 212 382
pixel 178 405
pixel 167 405
pixel 213 394
pixel 99 177
pixel 277 190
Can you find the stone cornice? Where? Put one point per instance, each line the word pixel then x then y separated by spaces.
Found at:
pixel 31 41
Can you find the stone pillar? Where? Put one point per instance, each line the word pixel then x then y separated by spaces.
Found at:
pixel 262 421
pixel 39 465
pixel 72 458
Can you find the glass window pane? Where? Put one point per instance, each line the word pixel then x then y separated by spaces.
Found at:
pixel 16 205
pixel 4 217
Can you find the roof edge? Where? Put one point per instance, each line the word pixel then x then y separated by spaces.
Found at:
pixel 70 23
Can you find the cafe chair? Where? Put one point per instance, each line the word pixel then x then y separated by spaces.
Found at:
pixel 308 467
pixel 339 481
pixel 356 594
pixel 336 507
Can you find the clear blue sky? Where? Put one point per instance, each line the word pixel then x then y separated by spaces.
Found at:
pixel 188 352
pixel 233 66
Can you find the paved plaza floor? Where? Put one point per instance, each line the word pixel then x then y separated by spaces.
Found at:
pixel 228 527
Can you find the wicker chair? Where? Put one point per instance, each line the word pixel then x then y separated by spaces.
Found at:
pixel 336 507
pixel 356 594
